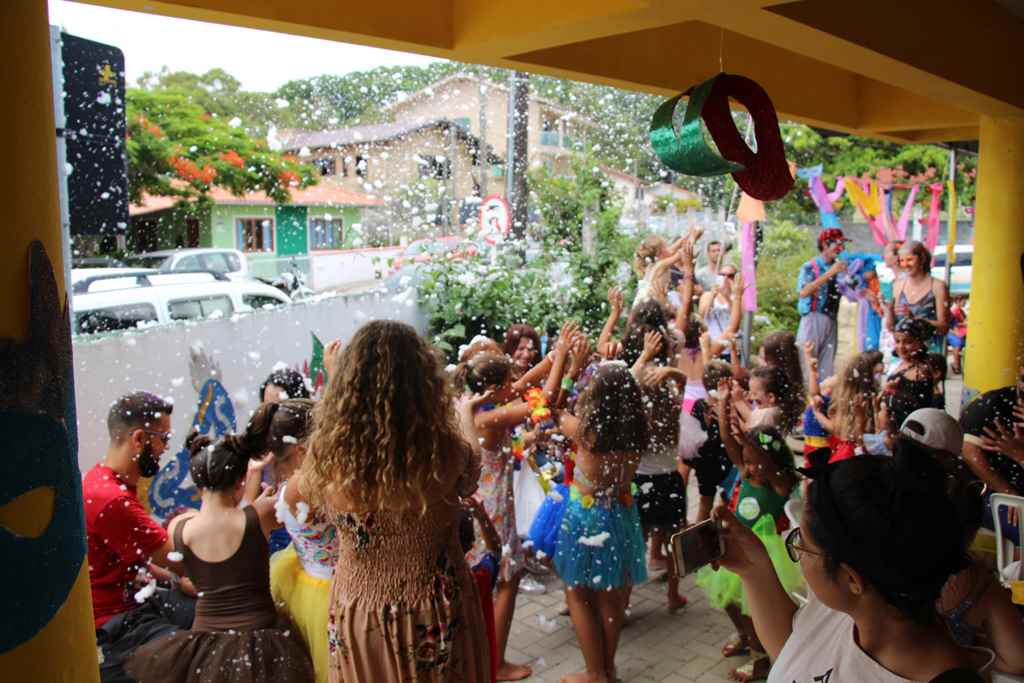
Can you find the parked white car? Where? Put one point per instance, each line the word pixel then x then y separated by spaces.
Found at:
pixel 105 303
pixel 230 262
pixel 960 273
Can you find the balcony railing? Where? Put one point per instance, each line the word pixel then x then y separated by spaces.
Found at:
pixel 549 138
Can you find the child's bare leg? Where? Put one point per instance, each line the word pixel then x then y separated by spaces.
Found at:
pixel 739 645
pixel 504 609
pixel 757 669
pixel 612 609
pixel 751 634
pixel 658 545
pixel 586 619
pixel 704 508
pixel 676 601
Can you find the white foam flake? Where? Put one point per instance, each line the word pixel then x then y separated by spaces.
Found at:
pixel 280 509
pixel 303 512
pixel 175 556
pixel 146 592
pixel 547 625
pixel 595 541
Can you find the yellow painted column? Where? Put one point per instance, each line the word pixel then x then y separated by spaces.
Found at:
pixel 995 340
pixel 65 649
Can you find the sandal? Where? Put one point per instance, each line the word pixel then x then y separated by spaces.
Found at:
pixel 756 670
pixel 736 647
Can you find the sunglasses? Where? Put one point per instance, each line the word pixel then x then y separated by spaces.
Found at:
pixel 165 437
pixel 793 547
pixel 729 275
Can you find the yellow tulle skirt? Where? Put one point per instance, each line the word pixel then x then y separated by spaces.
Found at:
pixel 304 598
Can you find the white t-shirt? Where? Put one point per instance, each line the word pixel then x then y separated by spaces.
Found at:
pixel 822 650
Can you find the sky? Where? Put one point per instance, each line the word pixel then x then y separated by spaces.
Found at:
pixel 151 41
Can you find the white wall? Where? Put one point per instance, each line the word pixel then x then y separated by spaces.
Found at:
pixel 348 267
pixel 245 347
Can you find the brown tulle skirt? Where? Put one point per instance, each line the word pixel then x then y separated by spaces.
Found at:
pixel 273 655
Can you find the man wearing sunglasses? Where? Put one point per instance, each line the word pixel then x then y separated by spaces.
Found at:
pixel 123 540
pixel 819 301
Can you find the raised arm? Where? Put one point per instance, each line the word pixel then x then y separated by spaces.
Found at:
pixel 736 314
pixel 605 342
pixel 817 283
pixel 813 386
pixel 733 448
pixel 652 343
pixel 534 376
pixel 512 415
pixel 685 287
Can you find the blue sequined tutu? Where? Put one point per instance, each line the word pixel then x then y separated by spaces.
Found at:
pixel 544 530
pixel 612 553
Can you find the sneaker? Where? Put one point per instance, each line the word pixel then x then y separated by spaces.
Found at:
pixel 532 585
pixel 536 567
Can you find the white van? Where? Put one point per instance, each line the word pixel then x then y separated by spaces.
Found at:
pixel 112 302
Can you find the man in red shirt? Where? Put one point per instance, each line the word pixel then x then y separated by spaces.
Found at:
pixel 124 540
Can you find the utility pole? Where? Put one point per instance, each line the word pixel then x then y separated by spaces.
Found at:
pixel 517 152
pixel 453 180
pixel 482 149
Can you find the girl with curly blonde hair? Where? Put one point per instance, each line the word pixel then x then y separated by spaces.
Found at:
pixel 387 460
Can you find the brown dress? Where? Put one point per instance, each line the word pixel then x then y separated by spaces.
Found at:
pixel 404 606
pixel 237 635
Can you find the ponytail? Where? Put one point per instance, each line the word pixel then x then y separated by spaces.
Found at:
pixel 217 466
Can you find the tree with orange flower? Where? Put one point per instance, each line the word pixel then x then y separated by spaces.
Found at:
pixel 176 148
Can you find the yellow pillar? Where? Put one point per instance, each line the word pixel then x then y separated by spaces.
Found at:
pixel 996 327
pixel 65 649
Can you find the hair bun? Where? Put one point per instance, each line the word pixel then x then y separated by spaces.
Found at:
pixel 196 442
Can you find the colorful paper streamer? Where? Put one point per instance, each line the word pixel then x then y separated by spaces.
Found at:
pixel 763 174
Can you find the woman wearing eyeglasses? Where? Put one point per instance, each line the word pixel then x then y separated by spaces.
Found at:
pixel 919 295
pixel 879 538
pixel 720 309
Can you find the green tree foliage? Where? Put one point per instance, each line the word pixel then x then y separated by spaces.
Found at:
pixel 177 148
pixel 617 138
pixel 784 249
pixel 486 295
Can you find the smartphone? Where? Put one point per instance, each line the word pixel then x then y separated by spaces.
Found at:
pixel 696 546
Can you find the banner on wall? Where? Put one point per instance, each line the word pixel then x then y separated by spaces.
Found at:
pixel 94 133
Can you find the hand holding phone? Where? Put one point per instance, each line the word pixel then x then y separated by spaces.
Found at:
pixel 697 546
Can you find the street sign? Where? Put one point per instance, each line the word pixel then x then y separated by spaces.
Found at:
pixel 495 219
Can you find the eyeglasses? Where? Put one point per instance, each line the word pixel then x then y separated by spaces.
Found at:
pixel 163 436
pixel 793 547
pixel 729 275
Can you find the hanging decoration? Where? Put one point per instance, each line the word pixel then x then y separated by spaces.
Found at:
pixel 763 174
pixel 951 210
pixel 908 205
pixel 864 195
pixel 932 222
pixel 823 199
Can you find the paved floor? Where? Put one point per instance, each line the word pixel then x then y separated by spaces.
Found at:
pixel 656 646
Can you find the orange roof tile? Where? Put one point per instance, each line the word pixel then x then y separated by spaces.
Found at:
pixel 324 194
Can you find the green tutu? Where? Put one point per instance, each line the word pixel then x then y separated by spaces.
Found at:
pixel 725 588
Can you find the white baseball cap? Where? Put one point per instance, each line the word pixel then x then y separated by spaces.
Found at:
pixel 934 428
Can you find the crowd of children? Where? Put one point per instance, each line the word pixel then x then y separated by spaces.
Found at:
pixel 393 494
